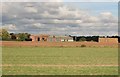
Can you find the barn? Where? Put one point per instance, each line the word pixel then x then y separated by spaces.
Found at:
pixel 52 38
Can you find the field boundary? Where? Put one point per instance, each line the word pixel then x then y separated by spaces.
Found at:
pixel 56 44
pixel 59 65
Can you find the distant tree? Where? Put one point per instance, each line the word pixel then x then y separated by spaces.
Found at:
pixel 23 36
pixel 13 36
pixel 4 34
pixel 82 39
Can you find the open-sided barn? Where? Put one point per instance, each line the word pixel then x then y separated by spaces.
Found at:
pixel 44 37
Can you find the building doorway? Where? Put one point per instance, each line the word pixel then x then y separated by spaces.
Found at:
pixel 38 38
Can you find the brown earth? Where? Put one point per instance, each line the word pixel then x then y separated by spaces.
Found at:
pixel 55 44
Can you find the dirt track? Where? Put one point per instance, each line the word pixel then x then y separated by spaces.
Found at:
pixel 56 44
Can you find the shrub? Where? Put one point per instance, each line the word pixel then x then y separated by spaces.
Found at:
pixel 83 45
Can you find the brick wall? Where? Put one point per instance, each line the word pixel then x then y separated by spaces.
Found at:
pixel 108 40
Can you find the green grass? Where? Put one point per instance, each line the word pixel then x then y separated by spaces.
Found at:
pixel 61 70
pixel 60 56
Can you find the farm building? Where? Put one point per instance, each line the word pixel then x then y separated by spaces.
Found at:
pixel 108 40
pixel 50 38
pixel 43 37
pixel 61 38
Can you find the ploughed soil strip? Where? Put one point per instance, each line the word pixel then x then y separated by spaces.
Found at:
pixel 55 44
pixel 60 65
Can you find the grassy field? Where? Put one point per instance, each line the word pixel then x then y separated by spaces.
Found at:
pixel 59 61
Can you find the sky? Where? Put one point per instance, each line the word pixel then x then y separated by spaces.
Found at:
pixel 61 18
pixel 59 0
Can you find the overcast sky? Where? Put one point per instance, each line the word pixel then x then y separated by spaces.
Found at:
pixel 60 18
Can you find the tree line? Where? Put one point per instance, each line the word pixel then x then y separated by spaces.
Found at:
pixel 92 38
pixel 6 36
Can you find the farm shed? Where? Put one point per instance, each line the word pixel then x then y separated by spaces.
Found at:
pixel 108 40
pixel 41 37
